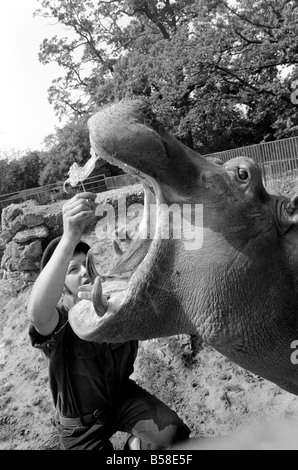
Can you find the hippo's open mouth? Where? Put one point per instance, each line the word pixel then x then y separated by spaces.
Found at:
pixel 128 135
pixel 113 294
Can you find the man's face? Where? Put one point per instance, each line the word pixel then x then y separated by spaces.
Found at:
pixel 76 275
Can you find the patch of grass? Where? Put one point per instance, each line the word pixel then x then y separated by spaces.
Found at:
pixel 5 401
pixel 7 388
pixel 7 420
pixel 51 443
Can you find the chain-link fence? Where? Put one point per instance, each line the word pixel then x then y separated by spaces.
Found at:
pixel 278 159
pixel 55 192
pixel 113 182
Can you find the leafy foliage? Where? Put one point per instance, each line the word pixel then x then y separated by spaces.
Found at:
pixel 211 69
pixel 19 173
pixel 68 145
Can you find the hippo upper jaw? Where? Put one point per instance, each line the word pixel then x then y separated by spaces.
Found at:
pixel 128 135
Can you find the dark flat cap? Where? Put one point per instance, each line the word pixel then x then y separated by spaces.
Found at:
pixel 81 247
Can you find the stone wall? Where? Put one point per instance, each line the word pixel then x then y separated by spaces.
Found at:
pixel 26 229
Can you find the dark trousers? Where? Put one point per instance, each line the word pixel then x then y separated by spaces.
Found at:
pixel 138 413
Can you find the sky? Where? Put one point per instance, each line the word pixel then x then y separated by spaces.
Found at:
pixel 26 116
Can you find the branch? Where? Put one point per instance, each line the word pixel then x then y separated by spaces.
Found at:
pixel 244 18
pixel 82 32
pixel 76 72
pixel 158 23
pixel 249 85
pixel 71 106
pixel 249 41
pixel 277 12
pixel 145 11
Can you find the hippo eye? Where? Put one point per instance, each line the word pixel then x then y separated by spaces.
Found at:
pixel 242 174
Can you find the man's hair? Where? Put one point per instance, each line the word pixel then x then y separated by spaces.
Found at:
pixel 81 247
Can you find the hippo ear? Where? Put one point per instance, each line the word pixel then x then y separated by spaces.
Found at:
pixel 289 214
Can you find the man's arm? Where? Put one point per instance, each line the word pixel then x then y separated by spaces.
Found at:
pixel 48 287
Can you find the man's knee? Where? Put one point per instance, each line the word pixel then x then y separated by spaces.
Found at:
pixel 154 438
pixel 175 433
pixel 175 429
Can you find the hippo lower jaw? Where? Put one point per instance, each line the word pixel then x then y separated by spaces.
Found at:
pixel 116 298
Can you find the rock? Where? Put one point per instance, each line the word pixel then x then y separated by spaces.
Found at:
pixel 6 236
pixel 12 227
pixel 11 257
pixel 2 242
pixel 31 233
pixel 9 213
pixel 12 275
pixel 30 257
pixel 53 220
pixel 16 217
pixel 33 250
pixel 3 274
pixel 25 227
pixel 29 276
pixel 32 219
pixel 22 257
pixel 14 278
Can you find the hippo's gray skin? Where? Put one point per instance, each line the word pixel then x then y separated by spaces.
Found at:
pixel 239 290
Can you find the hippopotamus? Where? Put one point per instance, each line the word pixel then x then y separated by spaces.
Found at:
pixel 233 284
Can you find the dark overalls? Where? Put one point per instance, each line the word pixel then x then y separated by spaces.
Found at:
pixel 94 397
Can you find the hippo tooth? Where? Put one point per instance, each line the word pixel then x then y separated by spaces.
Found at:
pixel 92 272
pixel 100 303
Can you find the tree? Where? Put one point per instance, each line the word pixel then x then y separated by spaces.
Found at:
pixel 30 166
pixel 4 171
pixel 20 173
pixel 69 144
pixel 213 72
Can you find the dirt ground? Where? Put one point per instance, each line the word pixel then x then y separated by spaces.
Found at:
pixel 212 395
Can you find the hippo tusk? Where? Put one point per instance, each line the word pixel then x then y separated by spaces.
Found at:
pixel 100 303
pixel 92 272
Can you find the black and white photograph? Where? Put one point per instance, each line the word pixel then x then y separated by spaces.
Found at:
pixel 149 227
